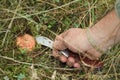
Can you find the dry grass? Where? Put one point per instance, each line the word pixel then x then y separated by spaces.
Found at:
pixel 49 18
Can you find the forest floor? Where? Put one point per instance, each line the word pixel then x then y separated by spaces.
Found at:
pixel 49 18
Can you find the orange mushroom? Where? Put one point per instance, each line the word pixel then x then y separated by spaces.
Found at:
pixel 25 41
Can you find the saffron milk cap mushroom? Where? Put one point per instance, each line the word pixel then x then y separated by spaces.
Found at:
pixel 25 41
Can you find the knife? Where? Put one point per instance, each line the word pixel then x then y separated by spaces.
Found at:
pixel 66 52
pixel 49 43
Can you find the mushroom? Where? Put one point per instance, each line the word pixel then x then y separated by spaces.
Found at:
pixel 25 41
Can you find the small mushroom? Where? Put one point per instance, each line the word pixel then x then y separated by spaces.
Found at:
pixel 25 41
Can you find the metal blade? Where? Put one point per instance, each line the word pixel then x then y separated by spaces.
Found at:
pixel 49 43
pixel 44 41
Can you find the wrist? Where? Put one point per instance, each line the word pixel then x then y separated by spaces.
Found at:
pixel 94 40
pixel 106 32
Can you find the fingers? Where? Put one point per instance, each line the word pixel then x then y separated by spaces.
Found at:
pixel 56 54
pixel 59 45
pixel 59 41
pixel 71 62
pixel 63 59
pixel 76 65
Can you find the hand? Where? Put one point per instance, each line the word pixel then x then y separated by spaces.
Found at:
pixel 74 39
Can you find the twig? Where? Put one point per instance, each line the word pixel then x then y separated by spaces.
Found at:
pixel 34 75
pixel 2 71
pixel 29 19
pixel 58 7
pixel 39 65
pixel 53 75
pixel 10 25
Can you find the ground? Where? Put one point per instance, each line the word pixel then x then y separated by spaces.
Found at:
pixel 49 18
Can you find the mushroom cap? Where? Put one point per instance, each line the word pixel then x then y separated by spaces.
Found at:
pixel 25 41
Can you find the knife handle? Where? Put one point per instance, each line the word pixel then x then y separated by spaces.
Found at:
pixel 65 52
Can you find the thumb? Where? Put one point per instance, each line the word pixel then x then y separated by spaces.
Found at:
pixel 59 43
pixel 57 46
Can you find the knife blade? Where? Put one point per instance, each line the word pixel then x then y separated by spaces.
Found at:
pixel 49 43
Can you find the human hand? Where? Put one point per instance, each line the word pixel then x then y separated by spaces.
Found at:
pixel 74 39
